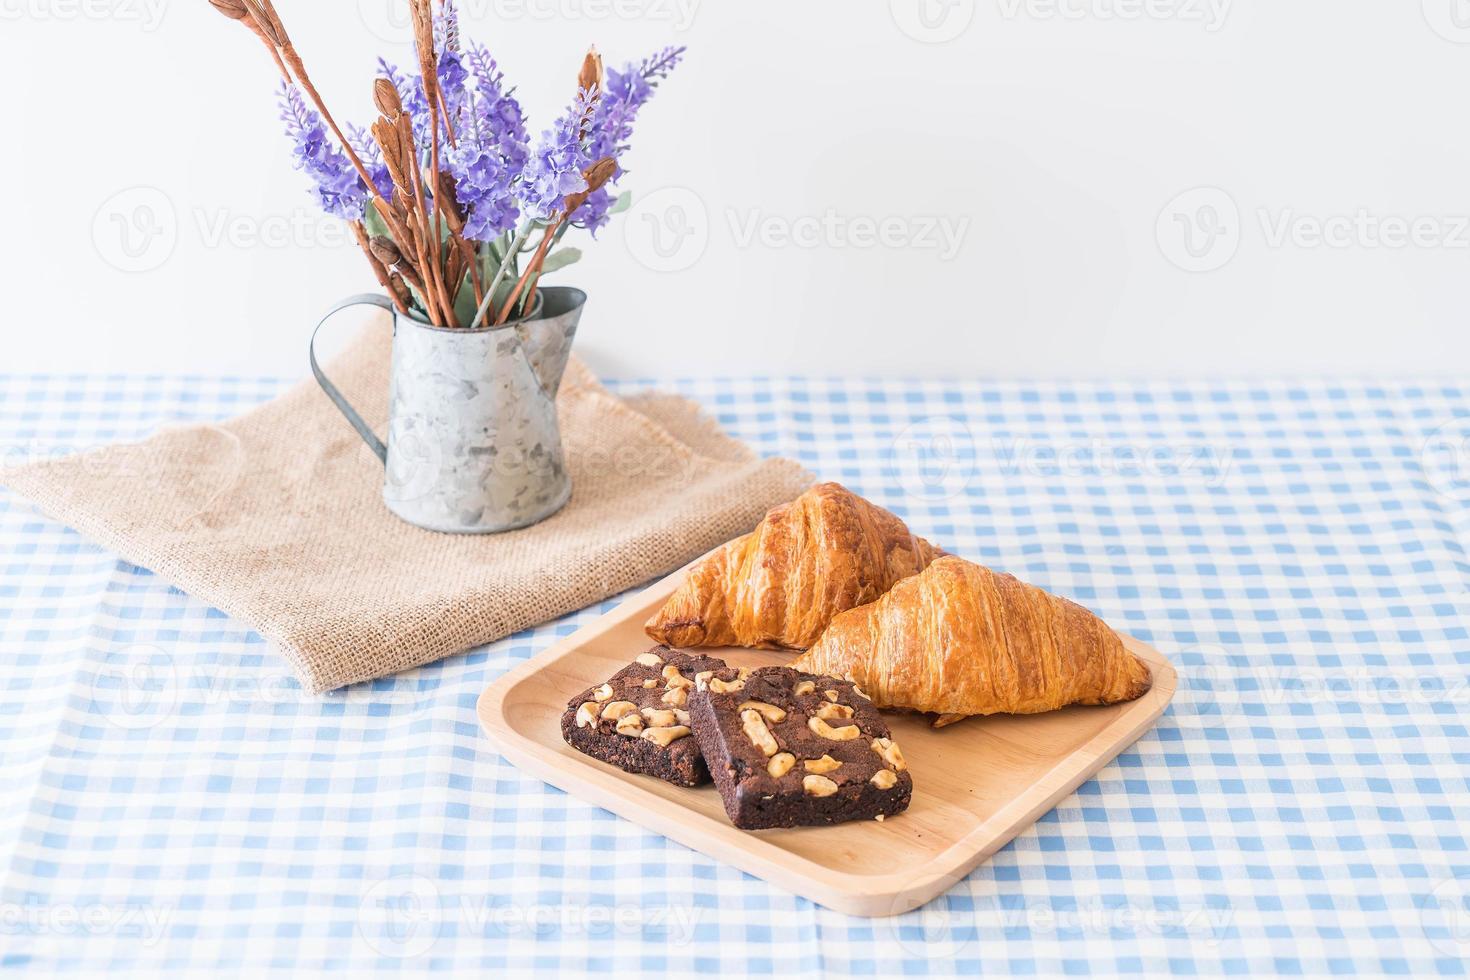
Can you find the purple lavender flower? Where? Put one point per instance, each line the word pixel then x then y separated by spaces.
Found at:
pixel 555 169
pixel 497 114
pixel 452 78
pixel 482 182
pixel 498 179
pixel 446 27
pixel 491 150
pixel 338 186
pixel 371 155
pixel 625 93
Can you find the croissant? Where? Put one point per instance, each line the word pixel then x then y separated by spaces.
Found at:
pixel 780 585
pixel 959 640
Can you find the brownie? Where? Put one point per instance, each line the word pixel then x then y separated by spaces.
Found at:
pixel 639 721
pixel 789 749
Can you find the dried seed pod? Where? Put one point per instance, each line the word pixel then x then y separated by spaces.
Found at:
pixel 591 76
pixel 385 97
pixel 595 176
pixel 233 9
pixel 600 173
pixel 389 140
pixel 386 252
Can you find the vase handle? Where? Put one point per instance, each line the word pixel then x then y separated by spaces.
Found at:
pixel 345 407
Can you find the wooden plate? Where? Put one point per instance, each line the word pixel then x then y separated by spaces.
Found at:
pixel 976 784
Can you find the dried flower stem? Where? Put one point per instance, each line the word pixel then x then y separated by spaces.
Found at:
pixel 379 269
pixel 472 263
pixel 423 35
pixel 424 244
pixel 402 160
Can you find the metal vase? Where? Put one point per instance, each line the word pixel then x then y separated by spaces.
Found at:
pixel 473 445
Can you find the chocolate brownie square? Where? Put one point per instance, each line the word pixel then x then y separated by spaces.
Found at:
pixel 789 749
pixel 639 720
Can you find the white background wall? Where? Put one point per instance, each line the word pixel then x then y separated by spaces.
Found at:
pixel 1065 187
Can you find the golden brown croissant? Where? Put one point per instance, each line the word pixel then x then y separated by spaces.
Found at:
pixel 960 639
pixel 780 585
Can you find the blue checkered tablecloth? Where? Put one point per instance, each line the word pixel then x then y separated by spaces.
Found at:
pixel 170 799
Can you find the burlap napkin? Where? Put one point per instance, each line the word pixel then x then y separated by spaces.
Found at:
pixel 275 518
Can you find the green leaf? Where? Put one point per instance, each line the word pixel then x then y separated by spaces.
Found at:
pixel 464 303
pixel 373 222
pixel 623 203
pixel 560 259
